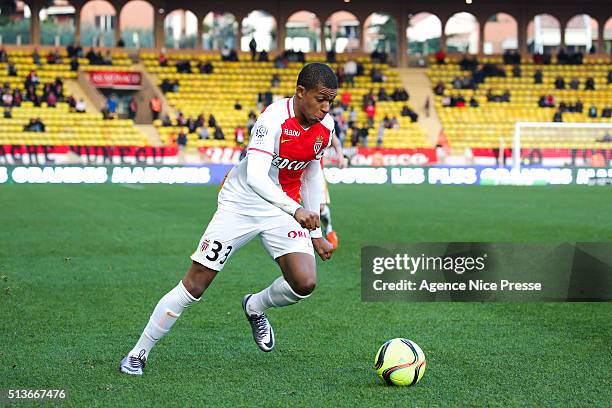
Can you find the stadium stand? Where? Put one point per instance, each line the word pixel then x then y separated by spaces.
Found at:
pixel 63 125
pixel 483 125
pixel 231 82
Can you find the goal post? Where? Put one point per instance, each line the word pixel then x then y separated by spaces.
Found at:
pixel 561 144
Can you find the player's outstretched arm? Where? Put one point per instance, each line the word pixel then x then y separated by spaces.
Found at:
pixel 312 192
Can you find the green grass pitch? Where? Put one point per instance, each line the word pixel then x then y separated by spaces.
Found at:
pixel 81 268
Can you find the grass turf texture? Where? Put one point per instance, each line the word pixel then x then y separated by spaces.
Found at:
pixel 81 268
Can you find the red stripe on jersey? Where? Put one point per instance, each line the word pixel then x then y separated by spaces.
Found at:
pixel 259 150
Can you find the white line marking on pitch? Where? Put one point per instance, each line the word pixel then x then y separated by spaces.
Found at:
pixel 133 186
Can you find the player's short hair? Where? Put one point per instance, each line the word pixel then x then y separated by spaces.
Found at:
pixel 317 73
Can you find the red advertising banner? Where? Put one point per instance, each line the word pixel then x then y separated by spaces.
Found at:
pixel 364 156
pixel 115 79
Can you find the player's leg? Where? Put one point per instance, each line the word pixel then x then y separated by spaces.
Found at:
pixel 166 313
pixel 291 247
pixel 225 233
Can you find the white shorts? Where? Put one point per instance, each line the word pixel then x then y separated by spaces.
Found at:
pixel 228 231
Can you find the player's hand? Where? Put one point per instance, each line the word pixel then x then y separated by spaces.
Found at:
pixel 307 219
pixel 323 248
pixel 342 162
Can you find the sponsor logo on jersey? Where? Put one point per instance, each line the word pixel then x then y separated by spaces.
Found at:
pixel 297 234
pixel 291 132
pixel 205 245
pixel 283 163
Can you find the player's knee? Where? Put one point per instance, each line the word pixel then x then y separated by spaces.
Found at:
pixel 197 279
pixel 305 286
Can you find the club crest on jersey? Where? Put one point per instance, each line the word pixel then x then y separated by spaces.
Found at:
pixel 318 145
pixel 205 245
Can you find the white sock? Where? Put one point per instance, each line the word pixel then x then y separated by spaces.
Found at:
pixel 165 314
pixel 278 294
pixel 326 218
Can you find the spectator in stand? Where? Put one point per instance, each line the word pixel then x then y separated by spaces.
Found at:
pixel 330 56
pixel 345 98
pixel 516 71
pixel 166 121
pixel 111 104
pixel 239 135
pixel 74 64
pixel 574 84
pixel 610 76
pixel 439 88
pixel 382 95
pixel 394 123
pixel 36 57
pixel 370 111
pixel 440 56
pixel 165 85
pixel 559 83
pixel 17 97
pixel 606 112
pixel 426 106
pixel 237 105
pixel 132 108
pixel 473 102
pixel 80 106
pixel 505 97
pixel 558 116
pixel 268 98
pixel 219 133
pixel 263 56
pixel 3 55
pixel 253 48
pixel 538 77
pixel 51 100
pixel 181 120
pixel 7 99
pixel 589 84
pixel 203 133
pixel 350 71
pixel 381 132
pixel 11 70
pixel 181 142
pixel 163 60
pixel 156 107
pixel 8 114
pixel 352 118
pixel 363 135
pixel 579 106
pixel 592 112
pixel 120 43
pixel 212 121
pixel 376 75
pixel 275 81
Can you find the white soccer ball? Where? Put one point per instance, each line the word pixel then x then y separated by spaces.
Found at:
pixel 400 362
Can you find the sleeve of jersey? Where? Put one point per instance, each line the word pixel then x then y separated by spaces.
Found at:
pixel 259 161
pixel 312 191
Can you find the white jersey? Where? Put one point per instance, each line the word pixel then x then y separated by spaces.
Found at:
pixel 291 149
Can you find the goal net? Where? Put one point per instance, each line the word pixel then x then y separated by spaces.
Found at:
pixel 562 144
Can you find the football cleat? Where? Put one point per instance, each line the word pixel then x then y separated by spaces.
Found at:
pixel 133 365
pixel 333 239
pixel 262 331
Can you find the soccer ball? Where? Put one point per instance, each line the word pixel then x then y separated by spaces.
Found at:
pixel 400 362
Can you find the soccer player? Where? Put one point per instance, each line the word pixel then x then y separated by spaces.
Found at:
pixel 261 196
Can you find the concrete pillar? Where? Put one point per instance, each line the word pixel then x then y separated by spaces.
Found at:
pixel 481 30
pixel 562 28
pixel 158 29
pixel 322 35
pixel 601 44
pixel 239 33
pixel 402 41
pixel 77 25
pixel 281 33
pixel 198 41
pixel 117 29
pixel 35 25
pixel 521 27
